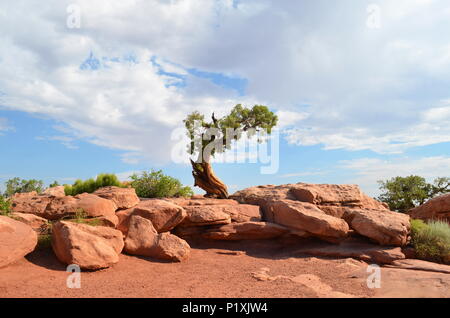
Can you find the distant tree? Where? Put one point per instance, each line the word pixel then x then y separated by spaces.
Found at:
pixel 214 132
pixel 17 185
pixel 54 184
pixel 405 193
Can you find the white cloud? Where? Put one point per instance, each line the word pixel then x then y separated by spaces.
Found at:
pixel 370 170
pixel 358 88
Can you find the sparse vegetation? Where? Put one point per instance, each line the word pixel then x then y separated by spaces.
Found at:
pixel 17 185
pixel 91 185
pixel 155 184
pixel 83 218
pixel 5 206
pixel 44 241
pixel 405 193
pixel 431 240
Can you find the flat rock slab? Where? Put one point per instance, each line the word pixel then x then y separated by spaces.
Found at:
pixel 419 265
pixel 357 249
pixel 16 240
pixel 246 231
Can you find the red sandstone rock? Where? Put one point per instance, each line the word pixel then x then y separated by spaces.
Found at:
pixel 38 224
pixel 435 209
pixel 384 227
pixel 306 217
pixel 124 198
pixel 16 240
pixel 143 239
pixel 90 247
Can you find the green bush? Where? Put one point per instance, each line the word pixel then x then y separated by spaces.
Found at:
pixel 155 184
pixel 17 185
pixel 54 184
pixel 91 185
pixel 431 240
pixel 5 206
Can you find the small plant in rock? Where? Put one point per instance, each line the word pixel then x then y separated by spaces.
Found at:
pixel 431 240
pixel 155 184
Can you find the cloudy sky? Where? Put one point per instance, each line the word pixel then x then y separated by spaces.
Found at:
pixel 90 86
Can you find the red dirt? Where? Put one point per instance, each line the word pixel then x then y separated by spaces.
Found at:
pixel 228 270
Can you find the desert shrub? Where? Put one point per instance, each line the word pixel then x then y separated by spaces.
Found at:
pixel 17 185
pixel 54 184
pixel 155 184
pixel 5 206
pixel 431 240
pixel 91 185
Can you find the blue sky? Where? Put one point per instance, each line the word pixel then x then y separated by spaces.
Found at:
pixel 357 102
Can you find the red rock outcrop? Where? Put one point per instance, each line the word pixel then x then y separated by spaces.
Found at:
pixel 291 205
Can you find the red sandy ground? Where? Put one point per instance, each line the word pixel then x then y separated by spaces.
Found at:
pixel 229 270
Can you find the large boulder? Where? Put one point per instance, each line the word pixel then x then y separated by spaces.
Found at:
pixel 435 209
pixel 246 231
pixel 16 240
pixel 124 198
pixel 90 247
pixel 306 217
pixel 143 239
pixel 55 191
pixel 384 227
pixel 164 215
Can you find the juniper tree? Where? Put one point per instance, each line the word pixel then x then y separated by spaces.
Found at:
pixel 216 136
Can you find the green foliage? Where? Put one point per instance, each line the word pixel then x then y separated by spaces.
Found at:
pixel 404 193
pixel 44 241
pixel 155 184
pixel 91 185
pixel 54 184
pixel 240 120
pixel 5 206
pixel 17 185
pixel 431 241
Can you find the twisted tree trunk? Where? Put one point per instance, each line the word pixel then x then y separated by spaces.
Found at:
pixel 206 179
